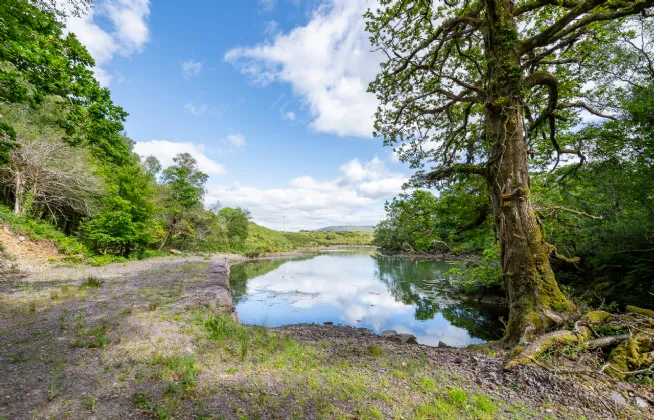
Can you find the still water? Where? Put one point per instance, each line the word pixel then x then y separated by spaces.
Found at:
pixel 361 289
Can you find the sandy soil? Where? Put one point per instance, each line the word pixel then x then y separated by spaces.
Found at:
pixel 24 253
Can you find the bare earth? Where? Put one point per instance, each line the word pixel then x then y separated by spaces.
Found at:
pixel 140 341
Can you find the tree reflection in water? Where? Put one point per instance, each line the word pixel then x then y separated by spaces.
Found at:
pixel 364 289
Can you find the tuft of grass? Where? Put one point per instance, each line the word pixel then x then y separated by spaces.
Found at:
pixel 89 403
pixel 458 397
pixel 180 371
pixel 457 404
pixel 95 337
pixel 92 283
pixel 426 384
pixel 375 350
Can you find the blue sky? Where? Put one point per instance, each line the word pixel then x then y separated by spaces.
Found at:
pixel 268 95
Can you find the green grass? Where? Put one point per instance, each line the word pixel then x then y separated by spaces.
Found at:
pixel 457 404
pixel 92 283
pixel 261 371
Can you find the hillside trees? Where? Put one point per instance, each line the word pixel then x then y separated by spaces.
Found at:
pixel 477 87
pixel 46 174
pixel 184 189
pixel 237 221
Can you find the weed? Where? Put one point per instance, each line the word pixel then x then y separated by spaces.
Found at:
pixel 89 403
pixel 426 384
pixel 89 337
pixel 55 379
pixel 375 350
pixel 243 342
pixel 18 357
pixel 457 396
pixel 181 370
pixel 91 283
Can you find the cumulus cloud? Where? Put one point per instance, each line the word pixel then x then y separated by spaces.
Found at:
pixel 191 68
pixel 352 198
pixel 126 34
pixel 327 62
pixel 165 151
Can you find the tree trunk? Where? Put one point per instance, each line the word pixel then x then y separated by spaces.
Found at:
pixel 535 301
pixel 18 194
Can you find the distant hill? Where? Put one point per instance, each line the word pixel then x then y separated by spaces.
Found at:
pixel 364 229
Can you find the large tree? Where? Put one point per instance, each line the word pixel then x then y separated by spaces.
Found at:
pixel 474 88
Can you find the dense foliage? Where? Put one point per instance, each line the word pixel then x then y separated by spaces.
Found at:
pixel 496 91
pixel 602 214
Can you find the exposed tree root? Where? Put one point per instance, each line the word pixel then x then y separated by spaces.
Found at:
pixel 630 336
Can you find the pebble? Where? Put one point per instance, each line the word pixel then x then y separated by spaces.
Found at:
pixel 618 399
pixel 641 403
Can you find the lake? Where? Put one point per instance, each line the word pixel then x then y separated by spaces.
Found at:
pixel 362 288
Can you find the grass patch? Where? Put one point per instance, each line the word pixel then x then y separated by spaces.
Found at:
pixel 375 350
pixel 457 404
pixel 92 283
pixel 94 337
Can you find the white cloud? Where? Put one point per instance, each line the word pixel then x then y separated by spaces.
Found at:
pixel 236 139
pixel 196 110
pixel 355 171
pixel 289 115
pixel 191 68
pixel 267 5
pixel 165 151
pixel 127 33
pixel 354 198
pixel 328 63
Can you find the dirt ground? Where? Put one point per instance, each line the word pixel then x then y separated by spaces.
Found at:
pixel 24 254
pixel 140 340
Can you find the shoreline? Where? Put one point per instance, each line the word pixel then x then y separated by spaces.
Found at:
pixel 161 336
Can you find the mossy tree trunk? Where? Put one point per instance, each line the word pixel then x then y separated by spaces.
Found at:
pixel 534 296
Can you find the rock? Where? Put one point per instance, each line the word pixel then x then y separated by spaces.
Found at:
pixel 641 403
pixel 388 333
pixel 618 399
pixel 328 323
pixel 405 338
pixel 458 360
pixel 174 252
pixel 442 345
pixel 21 238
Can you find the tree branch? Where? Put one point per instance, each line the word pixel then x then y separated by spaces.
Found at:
pixel 460 168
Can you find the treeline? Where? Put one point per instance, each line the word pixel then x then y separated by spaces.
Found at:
pixel 67 169
pixel 597 212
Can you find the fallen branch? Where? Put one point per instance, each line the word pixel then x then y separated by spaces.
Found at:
pixel 628 373
pixel 602 342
